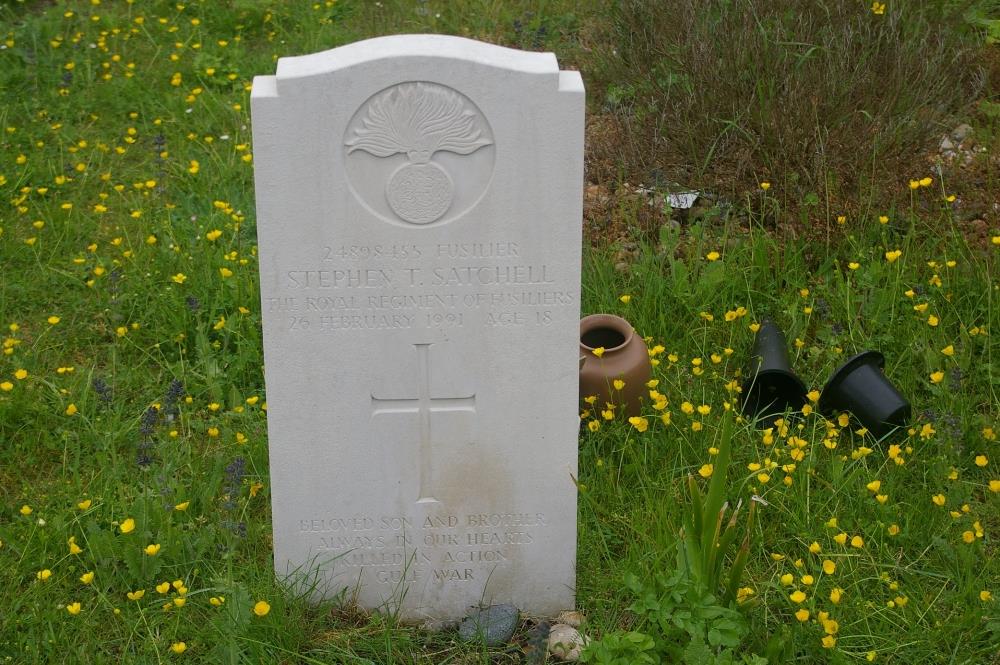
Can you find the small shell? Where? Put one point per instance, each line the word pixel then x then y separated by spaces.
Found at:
pixel 571 618
pixel 566 642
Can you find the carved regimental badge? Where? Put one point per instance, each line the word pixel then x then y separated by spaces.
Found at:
pixel 426 146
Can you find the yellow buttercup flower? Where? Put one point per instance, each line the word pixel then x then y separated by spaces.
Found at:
pixel 948 350
pixel 163 587
pixel 982 460
pixel 43 575
pixel 802 614
pixel 599 351
pixel 797 596
pixel 178 647
pixel 892 255
pixel 182 506
pixel 73 608
pixel 706 470
pixel 136 595
pixel 713 256
pixel 938 499
pixel 152 550
pixel 261 608
pixel 87 577
pixel 829 567
pixel 26 510
pixel 179 278
pixel 128 526
pixel 639 423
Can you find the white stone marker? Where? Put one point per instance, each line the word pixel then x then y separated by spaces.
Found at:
pixel 419 226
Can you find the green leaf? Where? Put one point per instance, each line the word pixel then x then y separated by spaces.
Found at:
pixel 695 510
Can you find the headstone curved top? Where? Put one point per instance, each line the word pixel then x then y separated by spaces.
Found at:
pixel 441 47
pixel 419 226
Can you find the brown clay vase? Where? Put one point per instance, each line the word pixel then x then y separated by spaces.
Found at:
pixel 625 357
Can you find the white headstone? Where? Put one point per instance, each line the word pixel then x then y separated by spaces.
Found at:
pixel 419 226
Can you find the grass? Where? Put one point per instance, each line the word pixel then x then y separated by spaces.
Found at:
pixel 822 98
pixel 131 386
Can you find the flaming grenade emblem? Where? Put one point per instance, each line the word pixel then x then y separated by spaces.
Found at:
pixel 419 119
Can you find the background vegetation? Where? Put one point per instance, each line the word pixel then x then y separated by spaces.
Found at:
pixel 132 412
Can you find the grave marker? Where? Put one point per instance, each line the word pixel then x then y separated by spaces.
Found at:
pixel 419 226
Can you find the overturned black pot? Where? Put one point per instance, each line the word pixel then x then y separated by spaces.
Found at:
pixel 861 387
pixel 771 388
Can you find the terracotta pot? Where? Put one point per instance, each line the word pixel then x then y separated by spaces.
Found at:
pixel 625 357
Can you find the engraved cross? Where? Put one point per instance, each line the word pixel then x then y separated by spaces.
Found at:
pixel 424 405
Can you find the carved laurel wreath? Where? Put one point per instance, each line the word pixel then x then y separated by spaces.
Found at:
pixel 418 119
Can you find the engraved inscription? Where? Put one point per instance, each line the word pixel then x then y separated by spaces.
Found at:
pixel 495 284
pixel 409 129
pixel 440 548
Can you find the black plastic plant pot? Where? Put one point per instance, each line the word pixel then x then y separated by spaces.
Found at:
pixel 771 388
pixel 861 387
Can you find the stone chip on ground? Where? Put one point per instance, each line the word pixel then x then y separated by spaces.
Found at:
pixel 493 625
